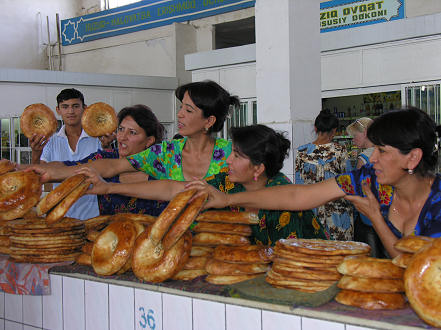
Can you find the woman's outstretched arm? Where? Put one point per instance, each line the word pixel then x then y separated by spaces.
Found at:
pixel 292 197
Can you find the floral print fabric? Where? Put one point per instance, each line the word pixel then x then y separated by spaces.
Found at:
pixel 316 163
pixel 164 160
pixel 114 203
pixel 429 220
pixel 273 224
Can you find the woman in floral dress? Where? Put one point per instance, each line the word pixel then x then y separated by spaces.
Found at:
pixel 399 192
pixel 321 160
pixel 204 108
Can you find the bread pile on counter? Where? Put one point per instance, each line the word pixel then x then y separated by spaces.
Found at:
pixel 310 265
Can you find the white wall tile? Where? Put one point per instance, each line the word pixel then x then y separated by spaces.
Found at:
pixel 9 325
pixel 121 307
pixel 208 315
pixel 2 304
pixel 14 307
pixel 280 321
pixel 308 323
pixel 73 303
pixel 96 305
pixel 243 318
pixel 33 310
pixel 176 312
pixel 148 310
pixel 354 327
pixel 53 304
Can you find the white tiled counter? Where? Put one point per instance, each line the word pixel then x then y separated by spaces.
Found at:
pixel 79 301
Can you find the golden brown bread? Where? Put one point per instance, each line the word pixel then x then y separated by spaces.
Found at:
pixel 275 278
pixel 189 274
pixel 229 217
pixel 212 239
pixel 87 248
pixel 195 263
pixel 145 219
pixel 84 259
pixel 167 265
pixel 402 260
pixel 61 191
pixel 58 212
pixel 323 247
pixel 99 119
pixel 183 222
pixel 300 263
pixel 113 247
pixel 362 266
pixel 223 228
pixel 216 267
pixel 371 284
pixel 6 166
pixel 97 223
pixel 305 273
pixel 371 300
pixel 229 279
pixel 16 188
pixel 38 119
pixel 201 251
pixel 422 282
pixel 243 254
pixel 412 243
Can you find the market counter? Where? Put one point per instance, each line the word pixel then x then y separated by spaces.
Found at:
pixel 80 299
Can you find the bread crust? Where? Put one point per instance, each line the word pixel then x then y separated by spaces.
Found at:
pixel 16 188
pixel 58 212
pixel 371 300
pixel 38 119
pixel 60 192
pixel 412 243
pixel 362 266
pixel 402 260
pixel 324 247
pixel 422 282
pixel 189 274
pixel 223 228
pixel 229 279
pixel 195 263
pixel 214 239
pixel 229 217
pixel 242 254
pixel 371 284
pixel 201 251
pixel 113 247
pixel 216 267
pixel 6 166
pixel 99 119
pixel 84 259
pixel 183 222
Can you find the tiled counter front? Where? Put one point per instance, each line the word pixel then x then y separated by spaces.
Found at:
pixel 83 302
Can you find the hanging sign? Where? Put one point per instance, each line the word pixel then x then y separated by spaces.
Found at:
pixel 142 15
pixel 344 14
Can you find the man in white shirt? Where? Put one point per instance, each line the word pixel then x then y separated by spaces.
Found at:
pixel 72 143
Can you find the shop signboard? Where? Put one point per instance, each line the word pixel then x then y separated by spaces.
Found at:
pixel 142 15
pixel 344 14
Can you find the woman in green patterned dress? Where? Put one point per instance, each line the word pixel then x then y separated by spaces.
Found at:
pixel 204 108
pixel 255 163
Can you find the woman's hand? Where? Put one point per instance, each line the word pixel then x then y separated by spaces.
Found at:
pixel 368 205
pixel 216 199
pixel 98 185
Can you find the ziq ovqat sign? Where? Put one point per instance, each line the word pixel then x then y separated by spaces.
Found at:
pixel 343 14
pixel 141 16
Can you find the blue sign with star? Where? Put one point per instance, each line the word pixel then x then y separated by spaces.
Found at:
pixel 142 15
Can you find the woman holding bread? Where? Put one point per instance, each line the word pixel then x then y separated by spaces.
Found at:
pixel 205 106
pixel 399 191
pixel 255 163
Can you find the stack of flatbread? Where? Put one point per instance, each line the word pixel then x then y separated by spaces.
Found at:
pixel 371 283
pixel 95 226
pixel 33 240
pixel 215 228
pixel 310 265
pixel 4 238
pixel 408 246
pixel 236 264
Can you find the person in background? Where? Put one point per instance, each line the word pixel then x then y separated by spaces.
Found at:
pixel 255 163
pixel 71 143
pixel 363 230
pixel 399 191
pixel 138 129
pixel 199 154
pixel 320 160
